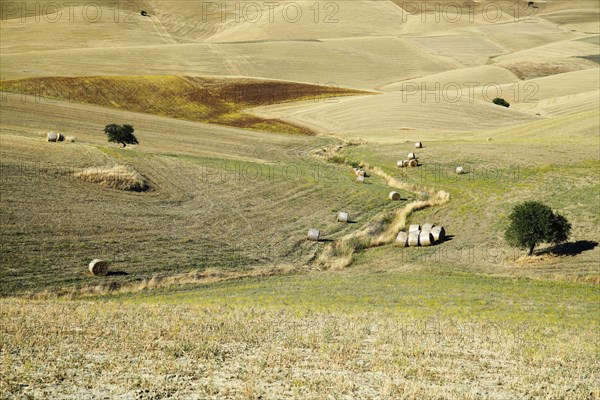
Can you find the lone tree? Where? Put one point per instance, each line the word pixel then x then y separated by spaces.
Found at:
pixel 532 223
pixel 120 134
pixel 501 102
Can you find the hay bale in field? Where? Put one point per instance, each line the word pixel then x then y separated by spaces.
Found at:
pixel 313 234
pixel 412 156
pixel 439 233
pixel 400 163
pixel 402 239
pixel 413 163
pixel 98 267
pixel 428 227
pixel 360 179
pixel 342 216
pixel 413 239
pixel 418 145
pixel 460 170
pixel 60 137
pixel 414 228
pixel 425 238
pixel 394 196
pixel 51 136
pixel 355 170
pixel 117 177
pixel 361 172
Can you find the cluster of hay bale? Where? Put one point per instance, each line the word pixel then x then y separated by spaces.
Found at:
pixel 412 161
pixel 98 267
pixel 360 174
pixel 427 235
pixel 55 137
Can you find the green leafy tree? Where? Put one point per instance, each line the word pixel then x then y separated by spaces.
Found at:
pixel 501 102
pixel 532 223
pixel 120 134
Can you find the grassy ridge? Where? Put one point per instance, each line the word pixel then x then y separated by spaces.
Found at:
pixel 213 100
pixel 425 293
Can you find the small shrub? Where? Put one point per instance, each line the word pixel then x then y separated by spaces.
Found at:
pixel 501 102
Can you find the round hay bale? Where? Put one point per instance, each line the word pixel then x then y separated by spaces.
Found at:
pixel 412 156
pixel 425 238
pixel 413 163
pixel 414 228
pixel 51 136
pixel 413 239
pixel 402 239
pixel 360 179
pixel 418 145
pixel 355 170
pixel 428 227
pixel 460 170
pixel 342 216
pixel 439 233
pixel 60 137
pixel 400 164
pixel 313 234
pixel 98 267
pixel 361 172
pixel 394 196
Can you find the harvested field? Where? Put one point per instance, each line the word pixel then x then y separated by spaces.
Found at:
pixel 251 118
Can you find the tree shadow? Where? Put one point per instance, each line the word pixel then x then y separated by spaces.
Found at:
pixel 570 248
pixel 117 273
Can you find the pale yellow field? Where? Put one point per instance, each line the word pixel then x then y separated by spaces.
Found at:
pixel 214 291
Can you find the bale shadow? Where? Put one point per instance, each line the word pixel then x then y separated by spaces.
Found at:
pixel 117 273
pixel 325 240
pixel 446 238
pixel 571 248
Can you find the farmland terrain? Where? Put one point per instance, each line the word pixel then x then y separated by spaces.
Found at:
pixel 250 122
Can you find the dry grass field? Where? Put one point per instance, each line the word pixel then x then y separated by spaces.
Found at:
pixel 249 124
